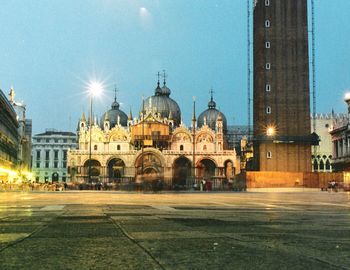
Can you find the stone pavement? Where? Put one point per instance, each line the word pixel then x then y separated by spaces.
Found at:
pixel 111 230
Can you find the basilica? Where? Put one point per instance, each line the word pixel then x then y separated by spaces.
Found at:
pixel 155 146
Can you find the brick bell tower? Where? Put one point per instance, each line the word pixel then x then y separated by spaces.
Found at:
pixel 282 129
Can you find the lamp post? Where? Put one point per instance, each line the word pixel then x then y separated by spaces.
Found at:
pixel 194 142
pixel 95 89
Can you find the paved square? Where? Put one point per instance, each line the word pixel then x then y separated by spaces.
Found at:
pixel 110 230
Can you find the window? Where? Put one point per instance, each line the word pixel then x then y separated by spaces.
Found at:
pixel 64 164
pixel 267 23
pixel 38 155
pixel 268 110
pixel 204 147
pixel 269 154
pixel 267 87
pixel 64 140
pixel 56 154
pixel 55 164
pixel 268 66
pixel 267 3
pixel 56 140
pixel 47 140
pixel 38 164
pixel 47 154
pixel 267 45
pixel 118 147
pixel 38 140
pixel 181 147
pixel 64 154
pixel 95 147
pixel 46 164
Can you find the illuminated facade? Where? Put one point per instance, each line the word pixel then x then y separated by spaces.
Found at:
pixel 25 133
pixel 155 146
pixel 9 140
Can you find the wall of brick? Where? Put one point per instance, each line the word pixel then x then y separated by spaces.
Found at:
pixel 291 179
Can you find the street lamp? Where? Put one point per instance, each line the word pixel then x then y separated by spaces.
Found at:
pixel 270 131
pixel 95 89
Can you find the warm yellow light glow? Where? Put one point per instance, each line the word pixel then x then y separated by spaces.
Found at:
pixel 8 171
pixel 270 131
pixel 95 88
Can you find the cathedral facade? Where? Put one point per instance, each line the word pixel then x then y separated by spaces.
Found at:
pixel 155 146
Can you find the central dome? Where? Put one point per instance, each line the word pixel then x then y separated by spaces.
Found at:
pixel 210 115
pixel 166 106
pixel 114 115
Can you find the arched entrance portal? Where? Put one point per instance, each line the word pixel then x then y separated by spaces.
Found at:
pixel 116 168
pixel 95 170
pixel 55 177
pixel 181 172
pixel 206 169
pixel 149 167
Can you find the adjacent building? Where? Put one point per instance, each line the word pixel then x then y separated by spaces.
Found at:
pixel 25 134
pixel 156 145
pixel 9 140
pixel 282 132
pixel 340 132
pixel 50 155
pixel 322 154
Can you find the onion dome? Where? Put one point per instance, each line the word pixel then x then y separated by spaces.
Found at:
pixel 114 115
pixel 211 115
pixel 163 104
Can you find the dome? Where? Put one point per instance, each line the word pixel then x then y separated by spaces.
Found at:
pixel 164 104
pixel 113 115
pixel 210 115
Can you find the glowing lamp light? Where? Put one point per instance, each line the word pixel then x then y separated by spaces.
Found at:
pixel 95 88
pixel 270 131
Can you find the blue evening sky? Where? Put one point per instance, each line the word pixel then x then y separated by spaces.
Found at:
pixel 50 49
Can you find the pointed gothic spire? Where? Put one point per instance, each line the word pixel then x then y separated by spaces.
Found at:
pixel 130 115
pixel 106 117
pixel 83 117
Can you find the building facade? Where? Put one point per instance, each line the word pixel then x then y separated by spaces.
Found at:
pixel 322 154
pixel 9 141
pixel 25 133
pixel 340 132
pixel 156 145
pixel 50 155
pixel 282 132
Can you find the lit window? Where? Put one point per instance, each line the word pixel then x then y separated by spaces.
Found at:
pixel 267 87
pixel 267 45
pixel 268 110
pixel 267 24
pixel 267 3
pixel 269 154
pixel 268 66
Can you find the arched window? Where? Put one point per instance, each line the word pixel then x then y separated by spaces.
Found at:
pixel 315 165
pixel 181 147
pixel 321 165
pixel 328 165
pixel 95 147
pixel 118 147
